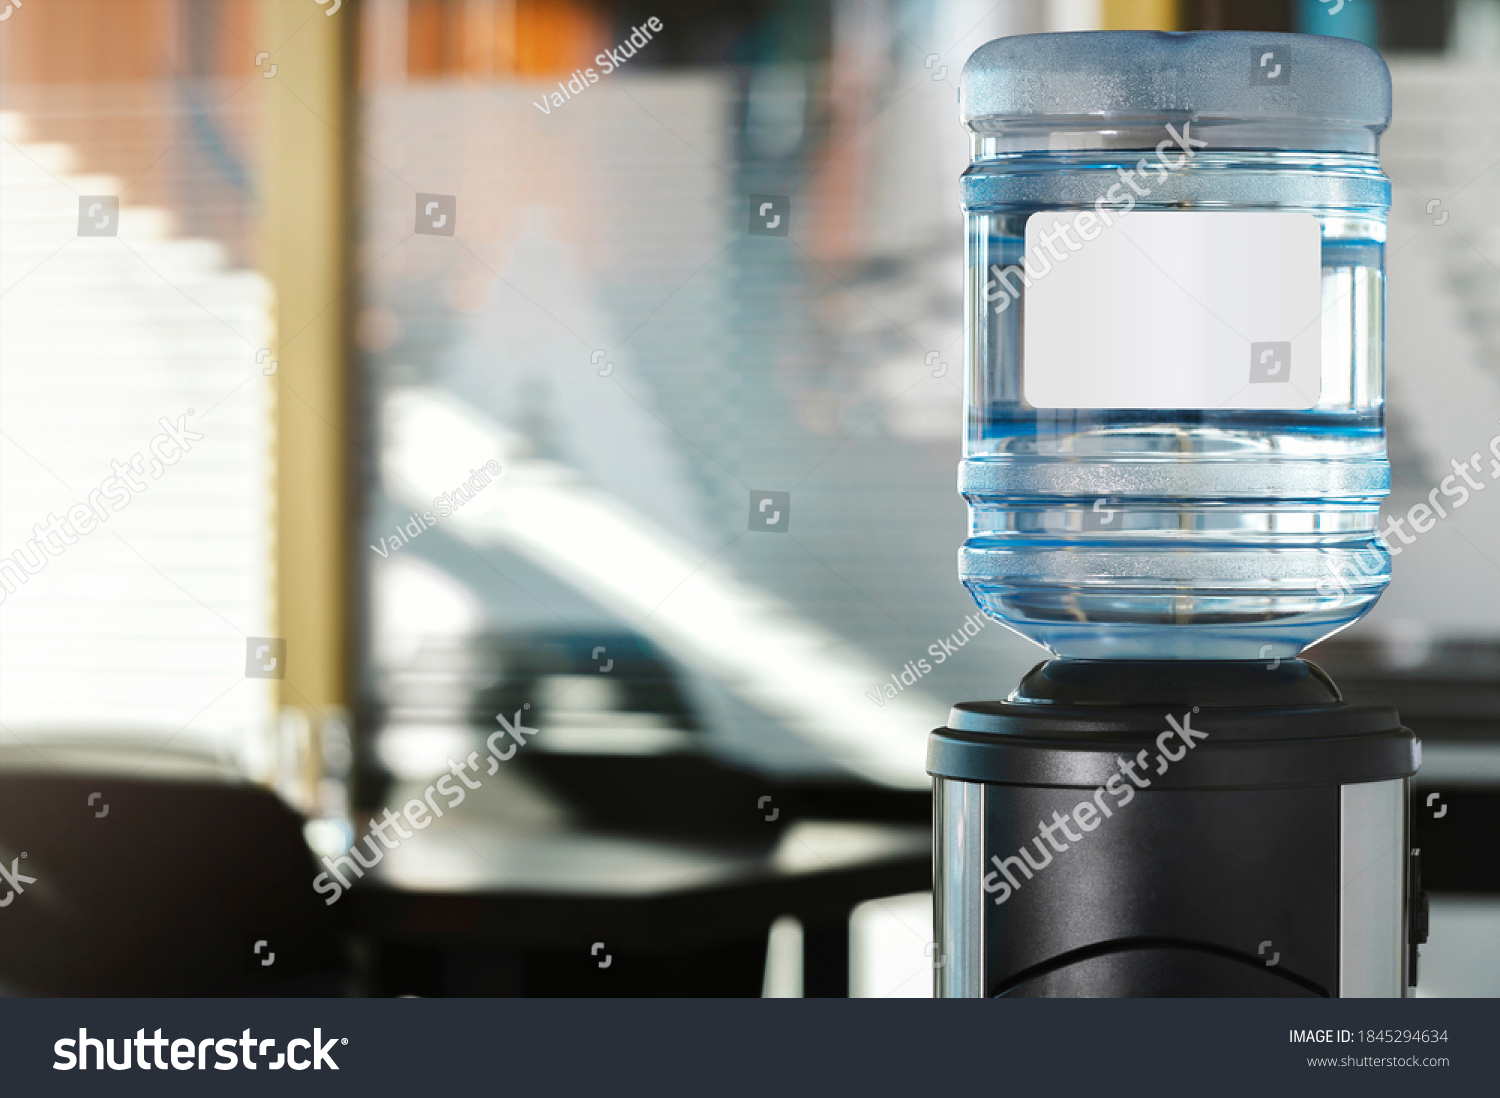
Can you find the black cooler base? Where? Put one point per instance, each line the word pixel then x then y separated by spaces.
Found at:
pixel 1173 829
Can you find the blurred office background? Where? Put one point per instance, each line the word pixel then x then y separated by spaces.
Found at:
pixel 353 253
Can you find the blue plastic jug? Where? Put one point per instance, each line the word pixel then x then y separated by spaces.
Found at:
pixel 1175 443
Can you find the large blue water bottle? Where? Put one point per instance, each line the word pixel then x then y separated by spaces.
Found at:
pixel 1175 441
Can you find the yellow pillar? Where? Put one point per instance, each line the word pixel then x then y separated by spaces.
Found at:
pixel 305 202
pixel 1140 15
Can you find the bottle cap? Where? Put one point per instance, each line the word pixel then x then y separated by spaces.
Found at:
pixel 1251 89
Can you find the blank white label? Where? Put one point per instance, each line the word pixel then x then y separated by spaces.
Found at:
pixel 1172 309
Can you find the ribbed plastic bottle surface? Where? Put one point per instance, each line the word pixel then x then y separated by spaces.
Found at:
pixel 1175 443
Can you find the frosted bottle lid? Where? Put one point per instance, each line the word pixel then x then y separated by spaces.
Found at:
pixel 1254 89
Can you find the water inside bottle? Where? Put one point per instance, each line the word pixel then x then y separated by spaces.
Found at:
pixel 1202 533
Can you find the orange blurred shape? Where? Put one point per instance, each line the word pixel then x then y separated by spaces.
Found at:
pixel 490 38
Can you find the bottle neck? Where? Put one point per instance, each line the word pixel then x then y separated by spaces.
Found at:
pixel 997 136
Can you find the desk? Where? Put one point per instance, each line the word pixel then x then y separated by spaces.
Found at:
pixel 469 908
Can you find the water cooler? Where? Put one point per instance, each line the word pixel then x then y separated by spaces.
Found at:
pixel 1174 460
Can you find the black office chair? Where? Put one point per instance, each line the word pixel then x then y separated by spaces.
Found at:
pixel 146 886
